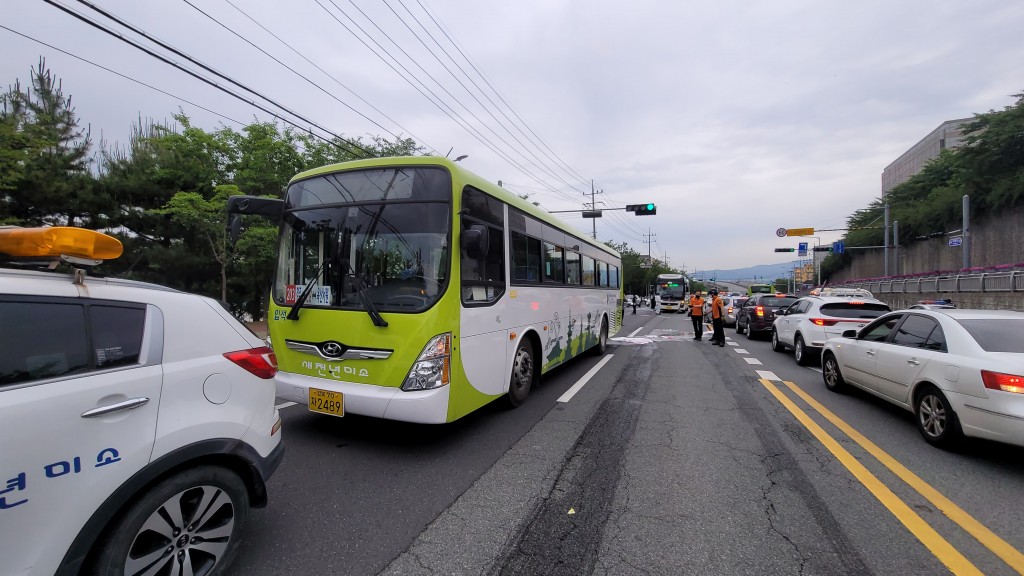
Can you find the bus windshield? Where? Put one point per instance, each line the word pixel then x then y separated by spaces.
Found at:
pixel 383 231
pixel 760 289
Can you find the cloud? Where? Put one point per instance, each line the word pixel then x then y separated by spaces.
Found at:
pixel 735 118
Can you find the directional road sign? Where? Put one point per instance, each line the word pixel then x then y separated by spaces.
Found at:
pixel 956 240
pixel 799 231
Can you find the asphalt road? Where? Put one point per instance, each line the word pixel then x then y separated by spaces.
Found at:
pixel 677 457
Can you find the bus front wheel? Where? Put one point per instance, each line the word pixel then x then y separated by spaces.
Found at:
pixel 523 374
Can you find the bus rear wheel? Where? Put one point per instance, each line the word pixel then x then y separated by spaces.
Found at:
pixel 523 374
pixel 602 340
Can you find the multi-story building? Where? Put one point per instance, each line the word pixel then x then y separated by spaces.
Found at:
pixel 948 135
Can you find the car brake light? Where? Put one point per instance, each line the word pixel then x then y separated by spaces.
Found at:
pixel 759 310
pixel 1004 382
pixel 824 322
pixel 730 310
pixel 261 361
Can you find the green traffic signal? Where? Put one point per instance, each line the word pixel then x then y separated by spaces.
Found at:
pixel 650 206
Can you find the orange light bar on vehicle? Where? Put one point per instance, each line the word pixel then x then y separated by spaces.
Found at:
pixel 1004 382
pixel 58 241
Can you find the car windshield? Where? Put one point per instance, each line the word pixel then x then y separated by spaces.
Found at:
pixel 997 335
pixel 854 309
pixel 776 301
pixel 382 231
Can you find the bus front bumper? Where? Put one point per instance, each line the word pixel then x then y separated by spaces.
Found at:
pixel 420 406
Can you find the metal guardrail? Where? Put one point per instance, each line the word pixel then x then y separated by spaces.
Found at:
pixel 1010 281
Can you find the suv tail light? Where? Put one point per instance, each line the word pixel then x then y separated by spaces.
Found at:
pixel 1004 382
pixel 261 362
pixel 824 322
pixel 759 310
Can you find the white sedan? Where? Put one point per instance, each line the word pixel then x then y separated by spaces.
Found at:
pixel 961 372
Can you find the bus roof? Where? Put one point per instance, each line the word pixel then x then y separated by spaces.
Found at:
pixel 461 176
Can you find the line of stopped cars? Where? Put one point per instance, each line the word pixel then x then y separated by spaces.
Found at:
pixel 960 372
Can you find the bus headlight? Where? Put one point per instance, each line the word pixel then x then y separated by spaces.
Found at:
pixel 432 368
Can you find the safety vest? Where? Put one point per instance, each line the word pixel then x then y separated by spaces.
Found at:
pixel 716 308
pixel 696 305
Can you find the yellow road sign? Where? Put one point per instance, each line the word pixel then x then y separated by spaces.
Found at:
pixel 799 231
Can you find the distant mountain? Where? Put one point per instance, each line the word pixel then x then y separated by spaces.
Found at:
pixel 767 271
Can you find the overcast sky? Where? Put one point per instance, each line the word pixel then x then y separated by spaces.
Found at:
pixel 735 118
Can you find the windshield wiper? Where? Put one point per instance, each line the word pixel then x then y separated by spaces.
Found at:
pixel 375 316
pixel 293 314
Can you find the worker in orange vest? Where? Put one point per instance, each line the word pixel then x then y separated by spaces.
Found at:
pixel 717 312
pixel 697 315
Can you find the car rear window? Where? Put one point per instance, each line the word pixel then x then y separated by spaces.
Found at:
pixel 775 301
pixel 854 310
pixel 1006 335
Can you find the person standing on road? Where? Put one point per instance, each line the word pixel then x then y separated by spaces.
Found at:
pixel 697 315
pixel 635 300
pixel 717 322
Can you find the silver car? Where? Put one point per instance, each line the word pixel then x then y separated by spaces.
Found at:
pixel 961 372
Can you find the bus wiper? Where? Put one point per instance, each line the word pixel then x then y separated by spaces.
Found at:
pixel 293 314
pixel 375 316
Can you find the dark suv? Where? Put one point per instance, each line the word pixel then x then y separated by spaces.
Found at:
pixel 758 313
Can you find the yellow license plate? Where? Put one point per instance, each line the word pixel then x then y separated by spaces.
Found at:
pixel 326 402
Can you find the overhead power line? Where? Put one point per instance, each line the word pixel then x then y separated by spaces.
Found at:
pixel 125 76
pixel 297 73
pixel 537 138
pixel 349 146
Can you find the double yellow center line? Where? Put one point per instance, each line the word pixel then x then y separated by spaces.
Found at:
pixel 939 546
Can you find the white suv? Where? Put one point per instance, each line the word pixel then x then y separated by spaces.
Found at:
pixel 810 321
pixel 138 422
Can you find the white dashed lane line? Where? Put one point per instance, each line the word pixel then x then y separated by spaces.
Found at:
pixel 635 332
pixel 731 343
pixel 768 375
pixel 586 378
pixel 753 361
pixel 740 351
pixel 818 370
pixel 284 405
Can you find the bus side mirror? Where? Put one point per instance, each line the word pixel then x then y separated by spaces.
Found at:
pixel 234 229
pixel 475 241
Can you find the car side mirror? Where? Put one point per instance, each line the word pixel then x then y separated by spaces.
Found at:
pixel 475 241
pixel 849 333
pixel 783 312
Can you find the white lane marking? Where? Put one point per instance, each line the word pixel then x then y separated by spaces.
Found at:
pixel 753 361
pixel 634 333
pixel 284 405
pixel 586 378
pixel 768 375
pixel 818 370
pixel 740 351
pixel 731 343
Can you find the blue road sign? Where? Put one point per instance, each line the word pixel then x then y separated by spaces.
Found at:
pixel 838 246
pixel 956 240
pixel 802 248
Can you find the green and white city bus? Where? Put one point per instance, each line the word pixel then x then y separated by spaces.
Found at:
pixel 373 312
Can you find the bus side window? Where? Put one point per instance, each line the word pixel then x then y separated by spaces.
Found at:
pixel 483 275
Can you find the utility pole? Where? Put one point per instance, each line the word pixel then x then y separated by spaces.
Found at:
pixel 593 206
pixel 649 239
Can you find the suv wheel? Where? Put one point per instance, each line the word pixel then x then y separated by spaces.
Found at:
pixel 189 523
pixel 749 330
pixel 800 353
pixel 738 326
pixel 776 345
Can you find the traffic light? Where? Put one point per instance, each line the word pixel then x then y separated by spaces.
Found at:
pixel 822 248
pixel 648 209
pixel 785 249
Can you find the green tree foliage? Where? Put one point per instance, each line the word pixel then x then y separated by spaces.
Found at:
pixel 44 158
pixel 989 167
